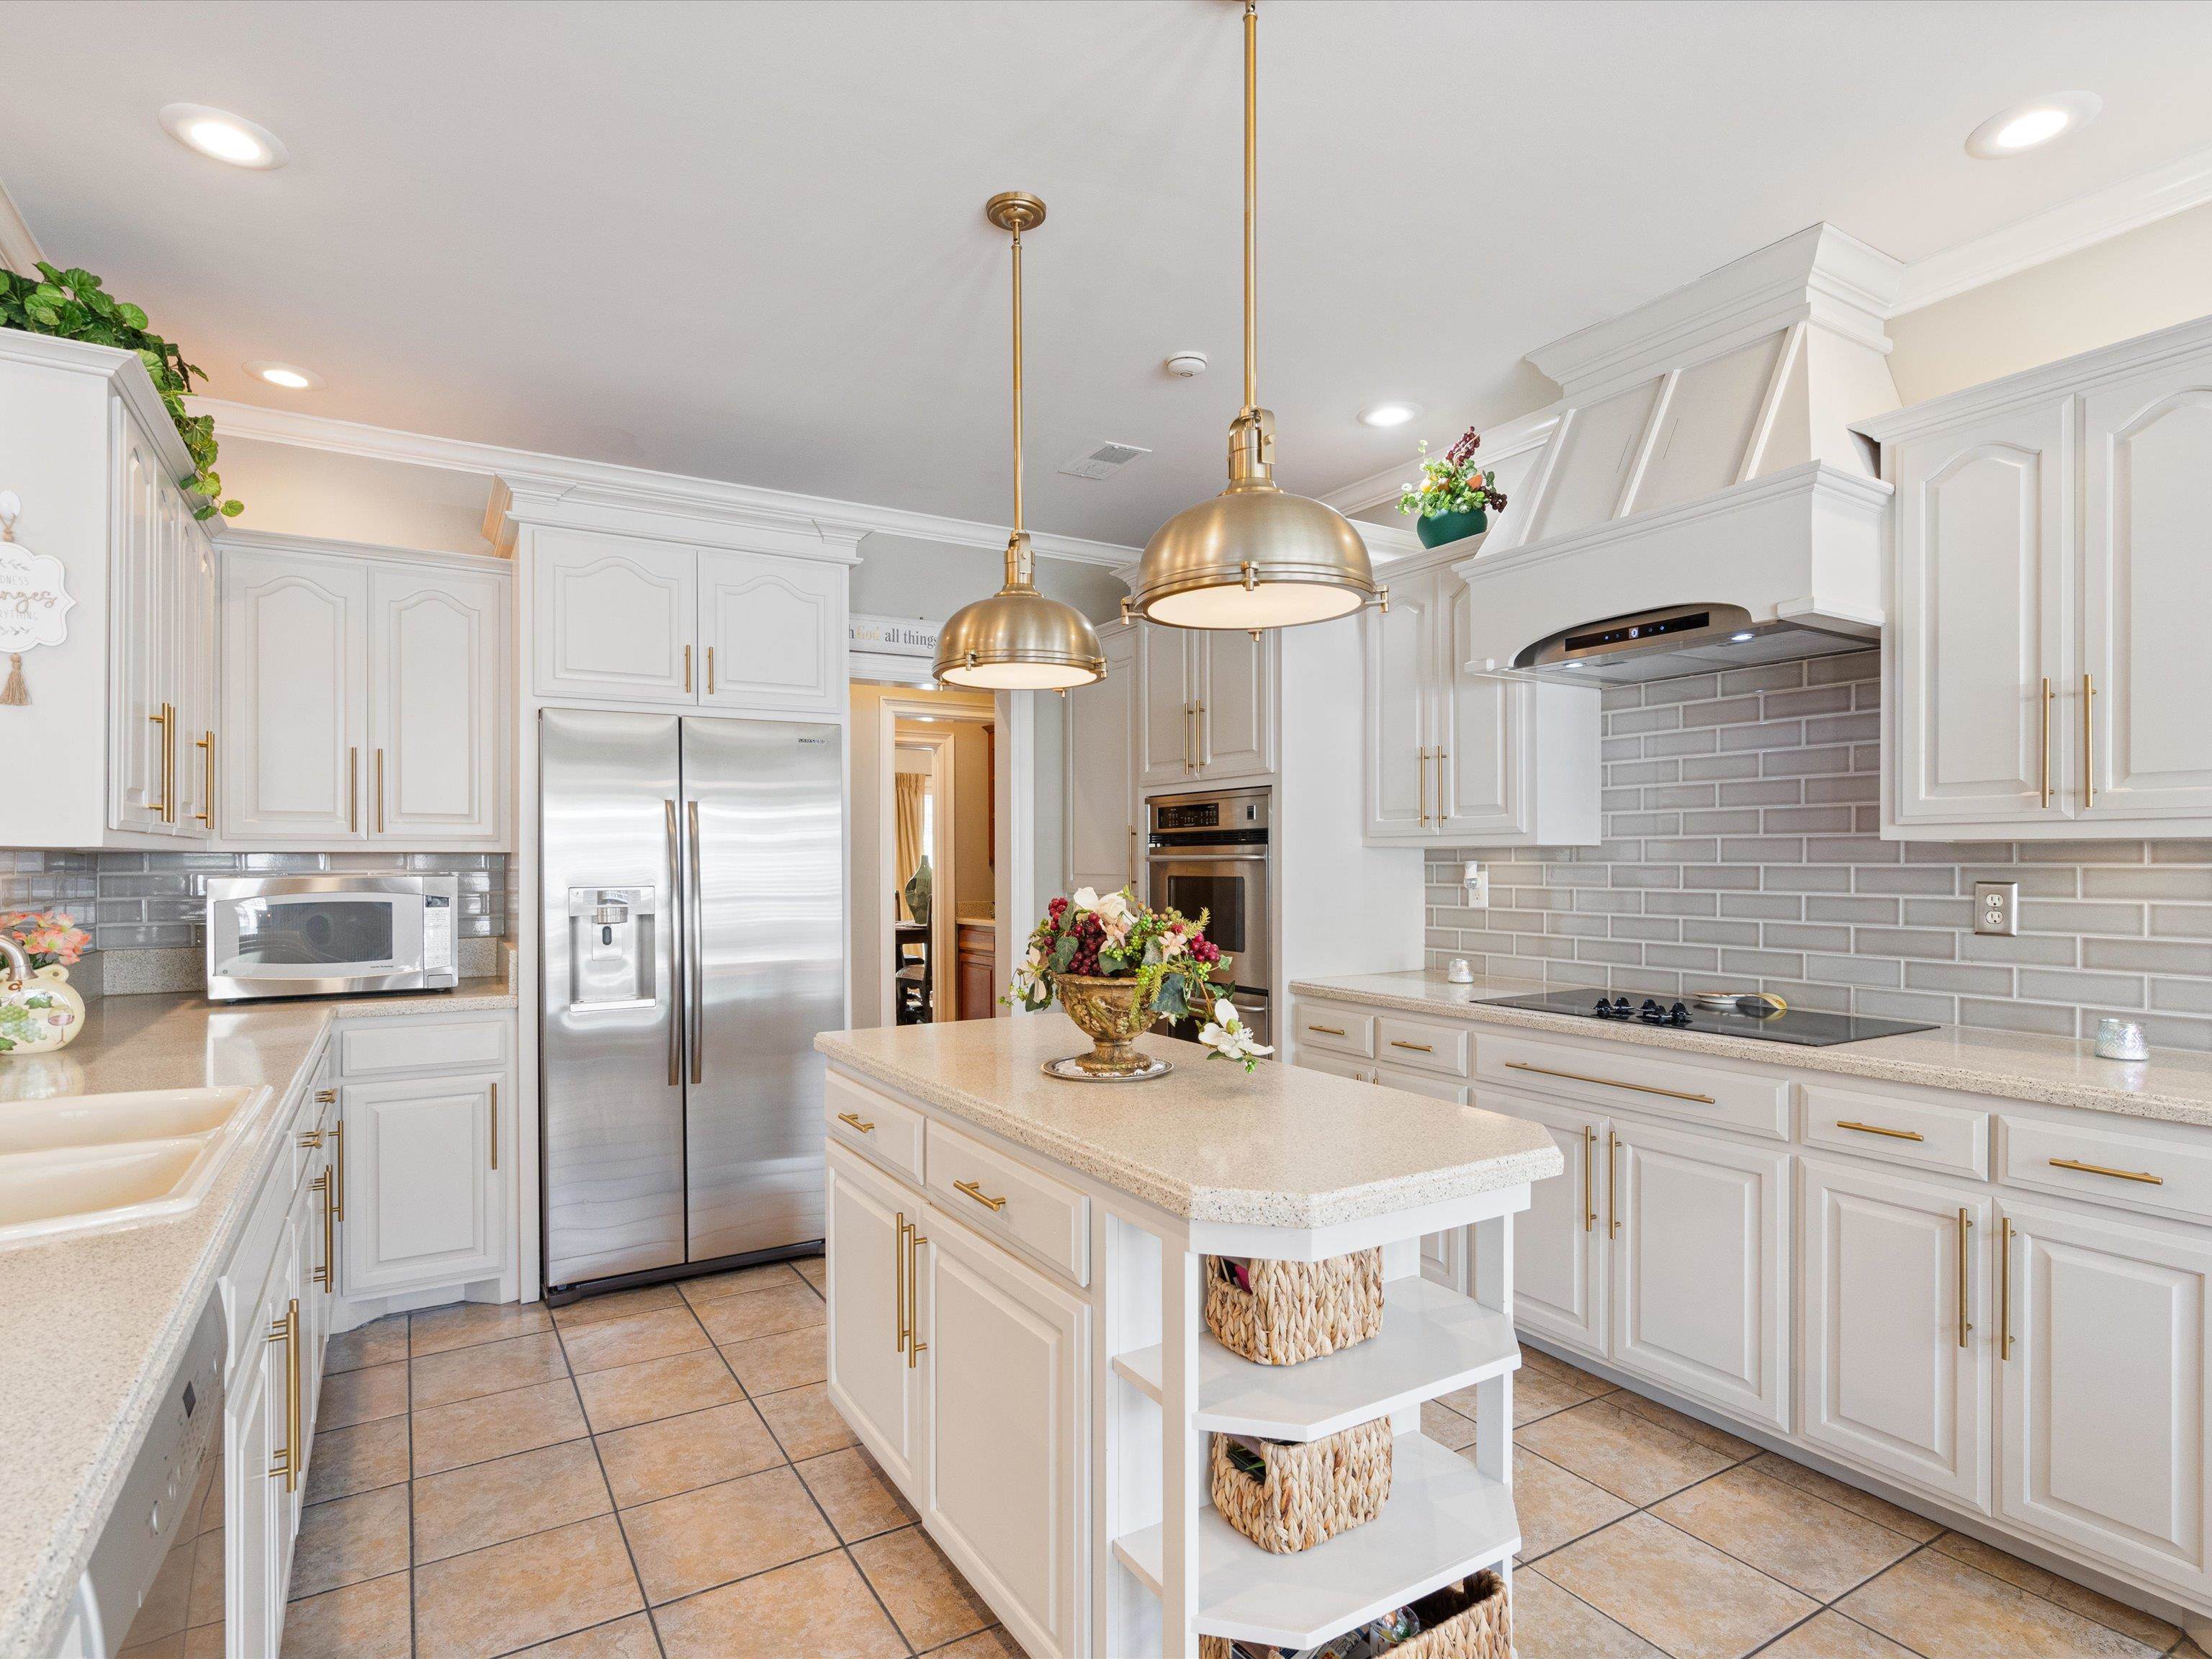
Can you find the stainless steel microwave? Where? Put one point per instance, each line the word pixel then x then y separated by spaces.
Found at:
pixel 304 936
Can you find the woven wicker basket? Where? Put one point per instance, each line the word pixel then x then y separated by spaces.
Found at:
pixel 1297 1311
pixel 1311 1491
pixel 1467 1620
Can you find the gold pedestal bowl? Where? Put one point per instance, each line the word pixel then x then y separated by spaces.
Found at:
pixel 1108 1012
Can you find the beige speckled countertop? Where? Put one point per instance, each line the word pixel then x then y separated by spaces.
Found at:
pixel 91 1328
pixel 1279 1147
pixel 2174 1085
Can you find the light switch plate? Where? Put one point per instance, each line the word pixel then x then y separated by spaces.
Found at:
pixel 1996 908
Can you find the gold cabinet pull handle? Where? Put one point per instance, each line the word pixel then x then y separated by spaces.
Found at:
pixel 1327 1030
pixel 311 1137
pixel 858 1123
pixel 1966 1227
pixel 1423 771
pixel 337 1163
pixel 2144 1175
pixel 380 789
pixel 1877 1129
pixel 982 1197
pixel 1589 1179
pixel 1190 734
pixel 286 1331
pixel 2047 695
pixel 320 1185
pixel 914 1345
pixel 206 814
pixel 352 790
pixel 1611 1082
pixel 1612 1184
pixel 161 808
pixel 710 670
pixel 2088 741
pixel 687 668
pixel 1417 1048
pixel 324 1097
pixel 898 1279
pixel 493 1116
pixel 1205 739
pixel 2004 1290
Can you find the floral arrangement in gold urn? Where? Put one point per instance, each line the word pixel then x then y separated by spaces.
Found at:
pixel 1115 966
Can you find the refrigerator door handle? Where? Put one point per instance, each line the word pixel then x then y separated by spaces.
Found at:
pixel 675 961
pixel 698 929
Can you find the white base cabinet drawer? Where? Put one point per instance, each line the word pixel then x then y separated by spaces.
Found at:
pixel 1448 1049
pixel 1944 1139
pixel 2136 1171
pixel 1636 1081
pixel 1008 1201
pixel 875 1126
pixel 1337 1030
pixel 410 1045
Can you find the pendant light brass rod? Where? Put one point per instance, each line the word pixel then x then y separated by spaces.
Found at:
pixel 1017 375
pixel 1251 207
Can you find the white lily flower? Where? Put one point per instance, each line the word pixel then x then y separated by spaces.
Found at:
pixel 1084 898
pixel 1230 1038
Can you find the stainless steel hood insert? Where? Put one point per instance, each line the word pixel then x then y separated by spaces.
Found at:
pixel 1674 640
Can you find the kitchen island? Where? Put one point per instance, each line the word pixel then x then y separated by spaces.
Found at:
pixel 1016 1330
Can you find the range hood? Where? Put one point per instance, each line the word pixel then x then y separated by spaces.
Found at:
pixel 1696 499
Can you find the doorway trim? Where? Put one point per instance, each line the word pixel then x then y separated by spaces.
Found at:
pixel 944 890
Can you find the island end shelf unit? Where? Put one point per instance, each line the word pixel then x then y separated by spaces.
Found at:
pixel 1094 1533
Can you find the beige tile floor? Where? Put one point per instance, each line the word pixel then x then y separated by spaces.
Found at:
pixel 652 1472
pixel 659 1473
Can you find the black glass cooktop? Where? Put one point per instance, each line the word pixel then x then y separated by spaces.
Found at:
pixel 1805 1027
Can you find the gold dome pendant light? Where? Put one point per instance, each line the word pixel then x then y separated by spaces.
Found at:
pixel 1254 556
pixel 1017 640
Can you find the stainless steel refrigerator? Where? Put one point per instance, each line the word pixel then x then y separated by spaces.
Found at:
pixel 693 876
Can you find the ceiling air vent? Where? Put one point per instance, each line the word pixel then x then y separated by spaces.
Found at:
pixel 1102 462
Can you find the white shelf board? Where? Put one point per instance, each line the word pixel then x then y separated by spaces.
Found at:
pixel 1433 1341
pixel 1444 1520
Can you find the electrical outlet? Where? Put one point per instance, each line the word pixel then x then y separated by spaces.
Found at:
pixel 1477 882
pixel 1996 906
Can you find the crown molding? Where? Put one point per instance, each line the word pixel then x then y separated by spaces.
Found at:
pixel 610 484
pixel 122 371
pixel 2174 187
pixel 278 541
pixel 19 248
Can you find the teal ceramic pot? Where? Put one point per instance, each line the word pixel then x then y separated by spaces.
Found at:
pixel 1452 526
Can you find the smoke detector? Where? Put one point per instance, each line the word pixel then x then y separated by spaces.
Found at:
pixel 1102 461
pixel 1185 364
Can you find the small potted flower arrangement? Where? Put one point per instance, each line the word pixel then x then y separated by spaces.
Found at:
pixel 1454 496
pixel 41 1011
pixel 1114 966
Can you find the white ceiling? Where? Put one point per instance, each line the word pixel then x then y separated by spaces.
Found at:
pixel 745 242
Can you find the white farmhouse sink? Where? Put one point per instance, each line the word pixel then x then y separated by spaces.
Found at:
pixel 90 1162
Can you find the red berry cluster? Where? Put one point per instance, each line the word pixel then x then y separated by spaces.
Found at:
pixel 1205 950
pixel 1090 936
pixel 1056 910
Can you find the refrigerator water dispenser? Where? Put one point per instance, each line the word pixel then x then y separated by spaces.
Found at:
pixel 611 938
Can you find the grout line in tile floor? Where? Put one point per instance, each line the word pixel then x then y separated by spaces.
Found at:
pixel 402 1325
pixel 1549 1364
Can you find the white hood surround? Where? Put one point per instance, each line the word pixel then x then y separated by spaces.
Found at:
pixel 1699 458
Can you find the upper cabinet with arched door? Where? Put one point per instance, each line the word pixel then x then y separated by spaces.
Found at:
pixel 2045 665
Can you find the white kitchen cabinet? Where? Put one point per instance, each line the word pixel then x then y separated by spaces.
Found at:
pixel 1560 1242
pixel 1102 804
pixel 423 1195
pixel 871 1379
pixel 1208 707
pixel 2041 673
pixel 365 698
pixel 1454 756
pixel 1006 1369
pixel 1700 1300
pixel 2105 1414
pixel 2146 451
pixel 771 632
pixel 1897 1341
pixel 294 640
pixel 624 619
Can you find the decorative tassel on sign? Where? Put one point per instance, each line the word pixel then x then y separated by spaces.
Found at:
pixel 14 694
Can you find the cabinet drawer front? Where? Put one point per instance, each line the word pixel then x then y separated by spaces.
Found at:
pixel 1009 1201
pixel 1446 1049
pixel 2106 1166
pixel 874 1124
pixel 1320 1026
pixel 1696 1094
pixel 403 1045
pixel 1920 1134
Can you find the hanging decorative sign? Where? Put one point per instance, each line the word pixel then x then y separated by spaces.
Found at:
pixel 34 603
pixel 895 637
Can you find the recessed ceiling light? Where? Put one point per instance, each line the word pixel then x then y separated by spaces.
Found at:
pixel 2028 125
pixel 1388 414
pixel 1740 638
pixel 226 138
pixel 290 376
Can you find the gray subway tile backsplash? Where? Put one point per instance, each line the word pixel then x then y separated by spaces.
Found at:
pixel 1742 847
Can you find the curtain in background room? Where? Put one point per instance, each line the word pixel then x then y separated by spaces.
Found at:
pixel 907 808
